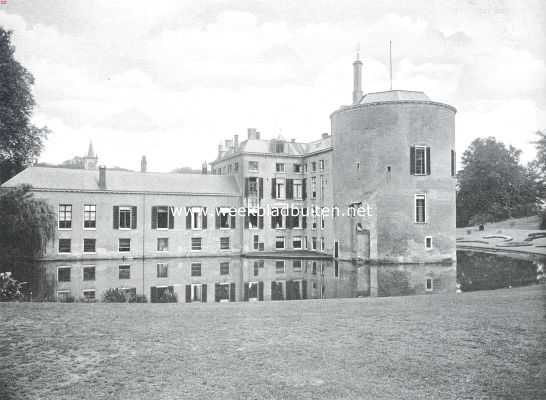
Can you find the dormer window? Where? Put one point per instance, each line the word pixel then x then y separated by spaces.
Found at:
pixel 279 147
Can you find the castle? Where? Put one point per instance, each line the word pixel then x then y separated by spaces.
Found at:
pixel 390 154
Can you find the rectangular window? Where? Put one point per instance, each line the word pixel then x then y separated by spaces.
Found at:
pixel 197 216
pixel 276 219
pixel 321 165
pixel 279 242
pixel 314 241
pixel 297 242
pixel 256 242
pixel 236 167
pixel 279 267
pixel 298 189
pixel 89 216
pixel 298 168
pixel 65 245
pixel 224 243
pixel 89 245
pixel 313 187
pixel 428 242
pixel 89 294
pixel 253 166
pixel 279 147
pixel 196 244
pixel 125 218
pixel 63 274
pixel 279 167
pixel 196 269
pixel 224 217
pixel 280 189
pixel 162 270
pixel 124 245
pixel 321 221
pixel 322 244
pixel 420 208
pixel 224 268
pixel 453 163
pixel 420 160
pixel 89 273
pixel 296 265
pixel 322 182
pixel 429 285
pixel 163 217
pixel 124 272
pixel 65 216
pixel 253 219
pixel 162 244
pixel 313 166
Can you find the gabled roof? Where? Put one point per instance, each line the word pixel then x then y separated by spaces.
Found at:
pixel 58 179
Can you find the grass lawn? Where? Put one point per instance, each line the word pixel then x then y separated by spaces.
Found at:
pixel 479 345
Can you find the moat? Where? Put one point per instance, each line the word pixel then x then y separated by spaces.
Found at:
pixel 229 279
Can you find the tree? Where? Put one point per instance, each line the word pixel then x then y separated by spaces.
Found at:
pixel 492 185
pixel 26 226
pixel 20 141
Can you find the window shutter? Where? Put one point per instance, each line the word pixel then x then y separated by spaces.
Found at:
pixel 261 291
pixel 188 217
pixel 216 290
pixel 246 219
pixel 171 217
pixel 217 218
pixel 205 217
pixel 232 225
pixel 204 293
pixel 116 217
pixel 290 189
pixel 272 222
pixel 246 187
pixel 133 217
pixel 304 189
pixel 261 221
pixel 188 293
pixel 153 294
pixel 453 162
pixel 246 292
pixel 261 188
pixel 304 218
pixel 289 219
pixel 428 160
pixel 232 292
pixel 273 188
pixel 412 160
pixel 304 289
pixel 154 217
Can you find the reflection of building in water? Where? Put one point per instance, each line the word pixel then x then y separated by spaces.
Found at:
pixel 227 279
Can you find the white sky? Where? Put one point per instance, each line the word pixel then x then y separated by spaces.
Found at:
pixel 171 79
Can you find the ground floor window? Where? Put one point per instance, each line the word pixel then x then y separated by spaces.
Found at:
pixel 429 285
pixel 296 290
pixel 196 292
pixel 279 242
pixel 277 292
pixel 254 291
pixel 428 242
pixel 89 294
pixel 224 292
pixel 163 294
pixel 63 295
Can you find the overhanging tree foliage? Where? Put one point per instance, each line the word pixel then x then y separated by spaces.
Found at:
pixel 26 226
pixel 20 141
pixel 493 185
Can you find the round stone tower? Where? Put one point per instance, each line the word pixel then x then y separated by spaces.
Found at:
pixel 393 177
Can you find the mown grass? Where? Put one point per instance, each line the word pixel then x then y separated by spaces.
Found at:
pixel 473 345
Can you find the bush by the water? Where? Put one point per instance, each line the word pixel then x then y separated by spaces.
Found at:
pixel 122 296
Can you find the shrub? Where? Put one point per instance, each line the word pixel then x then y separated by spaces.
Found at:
pixel 114 296
pixel 139 298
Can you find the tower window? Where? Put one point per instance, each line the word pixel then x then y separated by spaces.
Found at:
pixel 420 160
pixel 420 208
pixel 428 242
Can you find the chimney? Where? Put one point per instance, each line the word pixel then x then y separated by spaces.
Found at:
pixel 204 168
pixel 102 177
pixel 293 140
pixel 143 164
pixel 325 135
pixel 357 80
pixel 220 151
pixel 228 144
pixel 251 133
pixel 235 142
